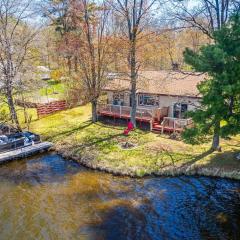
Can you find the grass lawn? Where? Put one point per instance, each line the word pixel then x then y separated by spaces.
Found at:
pixel 31 112
pixel 54 89
pixel 51 89
pixel 97 146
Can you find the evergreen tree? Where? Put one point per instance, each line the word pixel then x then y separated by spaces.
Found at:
pixel 219 114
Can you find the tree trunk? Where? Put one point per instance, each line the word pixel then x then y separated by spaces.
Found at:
pixel 216 137
pixel 133 81
pixel 69 63
pixel 24 109
pixel 12 110
pixel 134 105
pixel 94 111
pixel 75 64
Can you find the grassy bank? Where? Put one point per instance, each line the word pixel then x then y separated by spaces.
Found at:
pixel 97 146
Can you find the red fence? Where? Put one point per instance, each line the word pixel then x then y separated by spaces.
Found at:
pixel 48 108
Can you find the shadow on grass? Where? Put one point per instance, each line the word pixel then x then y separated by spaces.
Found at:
pixel 225 160
pixel 121 127
pixel 97 141
pixel 191 161
pixel 71 131
pixel 108 125
pixel 203 155
pixel 198 158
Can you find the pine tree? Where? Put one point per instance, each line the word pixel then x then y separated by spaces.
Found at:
pixel 219 114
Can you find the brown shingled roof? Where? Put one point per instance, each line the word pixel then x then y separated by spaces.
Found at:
pixel 160 82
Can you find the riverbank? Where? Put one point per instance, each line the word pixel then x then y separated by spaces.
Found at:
pixel 98 146
pixel 185 169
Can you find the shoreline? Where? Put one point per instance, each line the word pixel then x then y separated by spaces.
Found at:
pixel 96 146
pixel 174 171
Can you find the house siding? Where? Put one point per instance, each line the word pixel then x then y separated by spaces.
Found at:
pixel 169 101
pixel 110 97
pixel 164 101
pixel 126 99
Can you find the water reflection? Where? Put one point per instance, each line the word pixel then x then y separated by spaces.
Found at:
pixel 45 168
pixel 50 198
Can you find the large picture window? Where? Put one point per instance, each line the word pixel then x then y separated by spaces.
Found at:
pixel 147 100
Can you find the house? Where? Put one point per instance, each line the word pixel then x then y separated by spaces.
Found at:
pixel 45 73
pixel 162 97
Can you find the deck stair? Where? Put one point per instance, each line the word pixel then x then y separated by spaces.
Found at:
pixel 171 125
pixel 156 127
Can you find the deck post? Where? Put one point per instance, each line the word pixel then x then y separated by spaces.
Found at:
pixel 163 125
pixel 174 125
pixel 120 111
pixel 141 120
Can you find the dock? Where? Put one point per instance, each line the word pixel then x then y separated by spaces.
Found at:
pixel 25 152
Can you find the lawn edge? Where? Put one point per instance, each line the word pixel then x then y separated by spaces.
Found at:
pixel 192 170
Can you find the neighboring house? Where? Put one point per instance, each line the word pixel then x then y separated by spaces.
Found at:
pixel 160 94
pixel 45 73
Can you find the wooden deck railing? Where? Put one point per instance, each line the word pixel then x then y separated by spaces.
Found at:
pixel 175 124
pixel 125 111
pixel 151 115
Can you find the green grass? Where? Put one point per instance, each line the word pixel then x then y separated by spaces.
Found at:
pixel 54 89
pixel 98 146
pixel 51 89
pixel 30 111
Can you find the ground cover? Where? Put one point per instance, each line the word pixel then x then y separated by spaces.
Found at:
pixel 98 146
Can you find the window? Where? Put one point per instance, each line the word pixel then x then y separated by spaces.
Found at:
pixel 147 100
pixel 180 110
pixel 118 99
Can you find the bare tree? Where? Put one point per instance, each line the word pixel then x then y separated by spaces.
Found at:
pixel 205 15
pixel 134 14
pixel 93 53
pixel 15 39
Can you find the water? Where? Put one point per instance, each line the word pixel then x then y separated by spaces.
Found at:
pixel 49 198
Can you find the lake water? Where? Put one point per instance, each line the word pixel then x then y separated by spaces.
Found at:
pixel 47 197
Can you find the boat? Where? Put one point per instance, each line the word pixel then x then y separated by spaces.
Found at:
pixel 10 142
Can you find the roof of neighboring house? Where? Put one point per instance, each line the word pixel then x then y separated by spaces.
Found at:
pixel 159 82
pixel 43 69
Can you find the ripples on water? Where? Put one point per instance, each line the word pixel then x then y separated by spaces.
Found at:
pixel 50 198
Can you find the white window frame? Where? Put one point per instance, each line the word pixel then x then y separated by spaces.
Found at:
pixel 181 103
pixel 148 95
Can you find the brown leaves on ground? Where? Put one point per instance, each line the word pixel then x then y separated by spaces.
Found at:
pixel 168 146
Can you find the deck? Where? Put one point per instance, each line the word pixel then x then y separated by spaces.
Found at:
pixel 172 125
pixel 156 117
pixel 143 114
pixel 25 151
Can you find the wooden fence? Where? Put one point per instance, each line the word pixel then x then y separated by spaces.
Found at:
pixel 44 109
